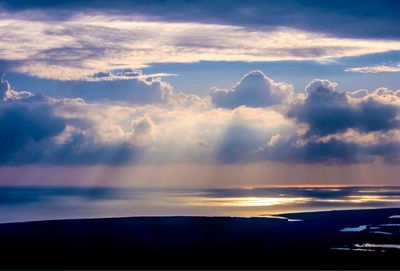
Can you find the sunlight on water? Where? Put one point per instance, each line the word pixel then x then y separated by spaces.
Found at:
pixel 33 203
pixel 373 198
pixel 246 201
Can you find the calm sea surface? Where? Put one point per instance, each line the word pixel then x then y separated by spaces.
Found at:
pixel 33 203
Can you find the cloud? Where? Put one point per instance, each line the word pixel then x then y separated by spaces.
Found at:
pixel 239 143
pixel 4 88
pixel 123 86
pixel 247 130
pixel 330 126
pixel 331 150
pixel 254 90
pixel 295 149
pixel 24 125
pixel 98 133
pixel 339 127
pixel 38 129
pixel 90 42
pixel 322 124
pixel 8 94
pixel 143 130
pixel 360 19
pixel 357 94
pixel 374 69
pixel 327 111
pixel 82 149
pixel 124 74
pixel 134 90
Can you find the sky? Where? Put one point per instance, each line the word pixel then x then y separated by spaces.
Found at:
pixel 199 94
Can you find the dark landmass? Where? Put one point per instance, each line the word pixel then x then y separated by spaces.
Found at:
pixel 316 242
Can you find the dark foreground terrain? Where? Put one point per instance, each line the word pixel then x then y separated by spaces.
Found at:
pixel 371 241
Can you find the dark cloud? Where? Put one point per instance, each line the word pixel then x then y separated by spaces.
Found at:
pixel 28 132
pixel 329 115
pixel 32 130
pixel 253 90
pixel 334 120
pixel 362 19
pixel 25 124
pixel 299 150
pixel 328 111
pixel 29 127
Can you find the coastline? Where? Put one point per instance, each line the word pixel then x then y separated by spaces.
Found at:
pixel 314 240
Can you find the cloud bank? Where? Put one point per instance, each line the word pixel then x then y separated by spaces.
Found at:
pixel 33 130
pixel 148 122
pixel 341 127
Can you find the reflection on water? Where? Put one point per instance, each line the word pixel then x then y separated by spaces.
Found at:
pixel 34 203
pixel 243 201
pixel 371 238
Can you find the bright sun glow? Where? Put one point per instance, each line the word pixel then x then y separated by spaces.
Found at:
pixel 247 201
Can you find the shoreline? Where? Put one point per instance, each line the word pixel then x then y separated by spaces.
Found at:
pixel 179 242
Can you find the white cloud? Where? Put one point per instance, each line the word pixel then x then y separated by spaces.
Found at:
pixel 374 69
pixel 8 94
pixel 74 48
pixel 324 124
pixel 4 88
pixel 143 130
pixel 255 90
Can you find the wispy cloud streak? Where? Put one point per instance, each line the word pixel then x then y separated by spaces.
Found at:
pixel 374 69
pixel 75 48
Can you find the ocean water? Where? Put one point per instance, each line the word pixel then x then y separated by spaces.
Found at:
pixel 19 204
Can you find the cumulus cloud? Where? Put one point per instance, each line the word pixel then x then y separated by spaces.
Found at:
pixel 82 133
pixel 247 130
pixel 24 126
pixel 322 124
pixel 34 129
pixel 254 90
pixel 334 149
pixel 329 126
pixel 326 110
pixel 339 127
pixel 143 130
pixel 357 94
